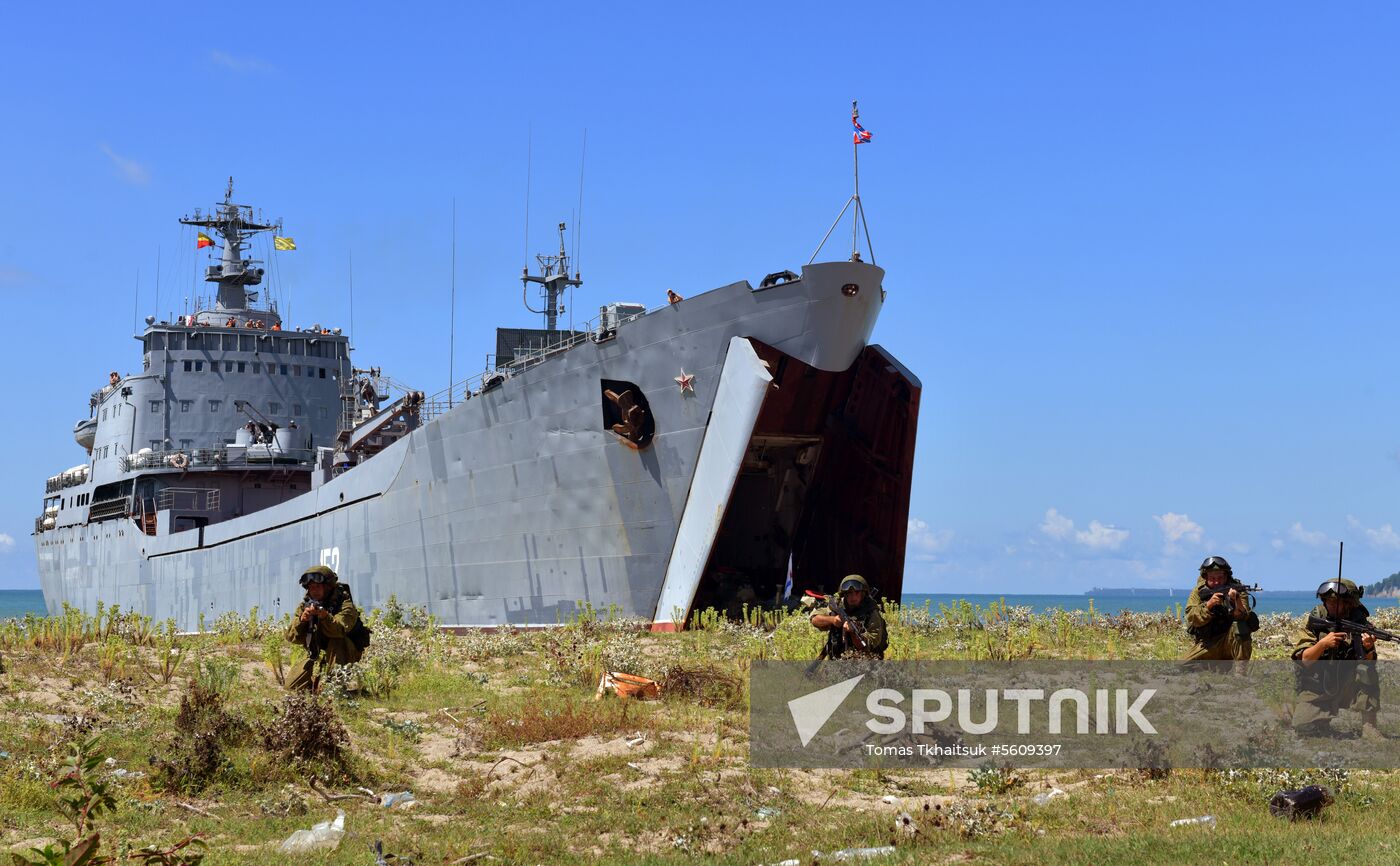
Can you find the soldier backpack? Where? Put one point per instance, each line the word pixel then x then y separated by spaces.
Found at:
pixel 359 635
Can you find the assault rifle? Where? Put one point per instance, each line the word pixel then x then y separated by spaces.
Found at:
pixel 1224 589
pixel 1326 625
pixel 313 627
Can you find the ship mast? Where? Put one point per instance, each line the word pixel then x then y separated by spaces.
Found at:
pixel 554 276
pixel 234 274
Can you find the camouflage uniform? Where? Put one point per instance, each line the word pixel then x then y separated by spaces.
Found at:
pixel 1218 635
pixel 868 618
pixel 1327 687
pixel 331 643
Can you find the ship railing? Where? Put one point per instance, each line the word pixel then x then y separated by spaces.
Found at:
pixel 67 479
pixel 189 499
pixel 118 507
pixel 599 329
pixel 231 457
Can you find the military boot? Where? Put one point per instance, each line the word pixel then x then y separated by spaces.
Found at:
pixel 1369 729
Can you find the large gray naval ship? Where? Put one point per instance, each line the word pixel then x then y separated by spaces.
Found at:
pixel 653 462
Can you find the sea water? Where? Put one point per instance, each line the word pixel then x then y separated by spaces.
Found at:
pixel 1154 602
pixel 18 602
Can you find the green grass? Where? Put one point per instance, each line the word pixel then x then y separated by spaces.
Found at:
pixel 509 755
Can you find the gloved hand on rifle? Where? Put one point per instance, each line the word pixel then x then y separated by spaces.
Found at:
pixel 314 610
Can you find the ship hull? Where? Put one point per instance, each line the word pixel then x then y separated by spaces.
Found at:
pixel 518 506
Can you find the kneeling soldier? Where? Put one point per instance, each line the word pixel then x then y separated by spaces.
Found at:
pixel 1347 677
pixel 1218 617
pixel 866 625
pixel 323 624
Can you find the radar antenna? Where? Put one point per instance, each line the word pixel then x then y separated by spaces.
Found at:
pixel 554 277
pixel 234 274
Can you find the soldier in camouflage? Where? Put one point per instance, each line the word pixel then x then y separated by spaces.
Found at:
pixel 854 599
pixel 1347 677
pixel 1221 623
pixel 323 623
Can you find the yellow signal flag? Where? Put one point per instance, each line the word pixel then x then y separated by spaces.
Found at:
pixel 283 243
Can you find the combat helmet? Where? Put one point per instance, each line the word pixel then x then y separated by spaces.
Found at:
pixel 854 581
pixel 1213 562
pixel 317 574
pixel 1341 588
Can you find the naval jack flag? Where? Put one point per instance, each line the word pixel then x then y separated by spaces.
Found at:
pixel 861 136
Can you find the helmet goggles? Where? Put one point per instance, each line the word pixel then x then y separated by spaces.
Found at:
pixel 323 575
pixel 852 583
pixel 1337 589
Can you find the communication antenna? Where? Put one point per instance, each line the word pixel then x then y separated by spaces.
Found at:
pixel 1341 545
pixel 452 313
pixel 529 142
pixel 578 225
pixel 352 296
pixel 157 300
pixel 554 277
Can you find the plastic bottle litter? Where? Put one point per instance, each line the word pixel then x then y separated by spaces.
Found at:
pixel 890 799
pixel 1045 797
pixel 1203 821
pixel 400 798
pixel 767 812
pixel 324 836
pixel 843 855
pixel 862 853
pixel 635 742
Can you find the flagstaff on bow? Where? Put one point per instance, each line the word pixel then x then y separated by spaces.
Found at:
pixel 859 136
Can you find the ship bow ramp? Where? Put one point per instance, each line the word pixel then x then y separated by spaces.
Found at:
pixel 803 471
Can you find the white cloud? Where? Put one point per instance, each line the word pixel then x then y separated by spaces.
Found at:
pixel 1179 527
pixel 1239 547
pixel 1056 525
pixel 131 170
pixel 1298 533
pixel 923 542
pixel 1101 537
pixel 7 542
pixel 1383 537
pixel 245 63
pixel 1097 536
pixel 1276 544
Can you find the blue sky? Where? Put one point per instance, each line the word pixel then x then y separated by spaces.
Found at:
pixel 1143 258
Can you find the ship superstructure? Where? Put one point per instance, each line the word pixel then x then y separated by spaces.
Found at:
pixel 231 413
pixel 648 460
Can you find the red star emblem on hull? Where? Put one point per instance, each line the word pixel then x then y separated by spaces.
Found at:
pixel 686 381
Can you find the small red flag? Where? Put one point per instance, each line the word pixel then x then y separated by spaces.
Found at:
pixel 203 241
